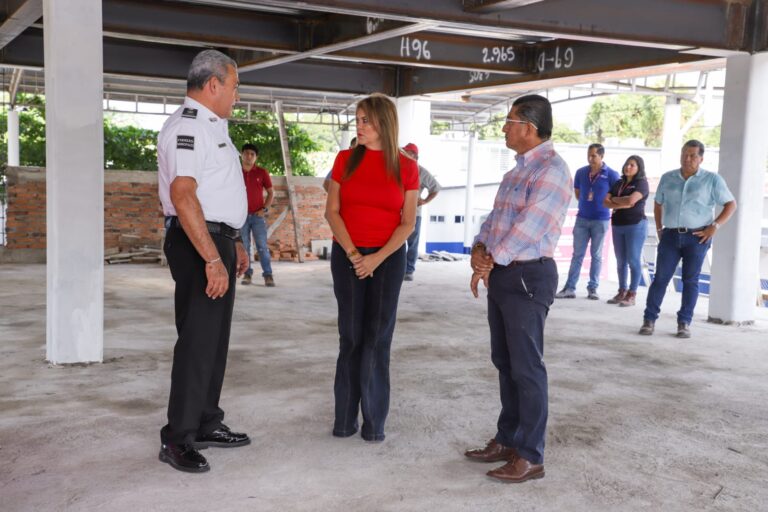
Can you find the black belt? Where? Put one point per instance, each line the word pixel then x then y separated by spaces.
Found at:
pixel 524 262
pixel 687 230
pixel 214 228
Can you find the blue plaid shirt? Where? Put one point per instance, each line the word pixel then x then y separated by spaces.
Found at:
pixel 529 208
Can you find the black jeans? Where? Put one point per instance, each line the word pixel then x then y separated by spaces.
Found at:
pixel 367 314
pixel 518 303
pixel 202 324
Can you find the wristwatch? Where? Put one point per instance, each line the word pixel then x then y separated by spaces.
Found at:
pixel 717 226
pixel 478 245
pixel 265 209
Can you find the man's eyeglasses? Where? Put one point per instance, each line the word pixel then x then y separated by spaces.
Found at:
pixel 510 120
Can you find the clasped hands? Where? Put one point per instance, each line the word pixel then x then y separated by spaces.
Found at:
pixel 364 265
pixel 482 264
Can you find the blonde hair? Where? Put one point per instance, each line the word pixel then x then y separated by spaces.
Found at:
pixel 381 111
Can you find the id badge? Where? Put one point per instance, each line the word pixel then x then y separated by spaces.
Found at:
pixel 590 196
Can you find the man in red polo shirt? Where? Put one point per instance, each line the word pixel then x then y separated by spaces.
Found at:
pixel 256 180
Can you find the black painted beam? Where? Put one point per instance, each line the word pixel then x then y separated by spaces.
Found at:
pixel 707 24
pixel 430 49
pixel 551 60
pixel 166 61
pixel 486 6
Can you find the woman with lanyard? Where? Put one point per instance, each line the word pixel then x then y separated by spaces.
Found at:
pixel 629 226
pixel 371 209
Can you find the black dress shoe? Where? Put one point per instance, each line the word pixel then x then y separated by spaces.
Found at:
pixel 222 437
pixel 183 457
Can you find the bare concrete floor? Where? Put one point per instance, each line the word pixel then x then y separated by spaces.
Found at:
pixel 635 423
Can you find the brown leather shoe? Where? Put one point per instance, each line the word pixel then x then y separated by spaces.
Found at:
pixel 618 297
pixel 517 470
pixel 628 300
pixel 493 452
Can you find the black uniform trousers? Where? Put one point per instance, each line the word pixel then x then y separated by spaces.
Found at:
pixel 203 325
pixel 519 297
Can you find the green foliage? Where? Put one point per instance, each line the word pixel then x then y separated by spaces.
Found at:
pixel 564 133
pixel 31 133
pixel 129 147
pixel 439 127
pixel 709 135
pixel 133 148
pixel 626 116
pixel 262 131
pixel 635 116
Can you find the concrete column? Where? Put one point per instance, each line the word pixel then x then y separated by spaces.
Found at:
pixel 346 137
pixel 743 152
pixel 13 137
pixel 671 138
pixel 415 118
pixel 469 201
pixel 74 180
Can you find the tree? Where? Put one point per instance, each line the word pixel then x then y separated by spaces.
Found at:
pixel 626 116
pixel 638 116
pixel 564 133
pixel 262 130
pixel 31 133
pixel 129 147
pixel 133 148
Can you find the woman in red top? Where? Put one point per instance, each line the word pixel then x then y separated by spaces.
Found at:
pixel 371 209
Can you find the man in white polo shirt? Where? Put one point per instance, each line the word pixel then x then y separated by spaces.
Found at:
pixel 203 196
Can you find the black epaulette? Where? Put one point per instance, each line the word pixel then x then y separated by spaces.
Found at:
pixel 189 113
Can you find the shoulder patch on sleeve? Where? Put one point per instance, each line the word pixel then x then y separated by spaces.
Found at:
pixel 189 113
pixel 185 142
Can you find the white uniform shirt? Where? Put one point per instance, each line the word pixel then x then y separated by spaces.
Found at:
pixel 195 142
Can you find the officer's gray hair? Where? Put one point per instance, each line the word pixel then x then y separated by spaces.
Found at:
pixel 207 64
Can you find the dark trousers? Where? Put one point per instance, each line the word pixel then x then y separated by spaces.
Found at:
pixel 413 248
pixel 200 354
pixel 367 314
pixel 674 247
pixel 518 302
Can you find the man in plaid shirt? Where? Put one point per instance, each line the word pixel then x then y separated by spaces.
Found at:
pixel 512 255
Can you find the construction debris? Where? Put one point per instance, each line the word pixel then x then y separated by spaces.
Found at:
pixel 141 255
pixel 442 256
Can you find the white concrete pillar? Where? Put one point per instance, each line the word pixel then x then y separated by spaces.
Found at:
pixel 671 138
pixel 13 137
pixel 346 137
pixel 415 117
pixel 74 180
pixel 469 201
pixel 743 152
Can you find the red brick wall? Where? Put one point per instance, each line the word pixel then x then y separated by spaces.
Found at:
pixel 131 207
pixel 310 197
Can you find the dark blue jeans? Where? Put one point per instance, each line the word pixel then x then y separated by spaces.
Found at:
pixel 413 248
pixel 367 314
pixel 256 225
pixel 519 298
pixel 673 247
pixel 628 246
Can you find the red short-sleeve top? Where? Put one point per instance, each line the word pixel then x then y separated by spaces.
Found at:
pixel 372 202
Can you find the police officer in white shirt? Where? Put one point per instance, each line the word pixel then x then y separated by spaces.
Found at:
pixel 203 196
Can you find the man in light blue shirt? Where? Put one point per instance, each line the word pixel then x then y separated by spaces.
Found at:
pixel 685 222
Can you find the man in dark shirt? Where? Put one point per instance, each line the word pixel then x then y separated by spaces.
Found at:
pixel 256 180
